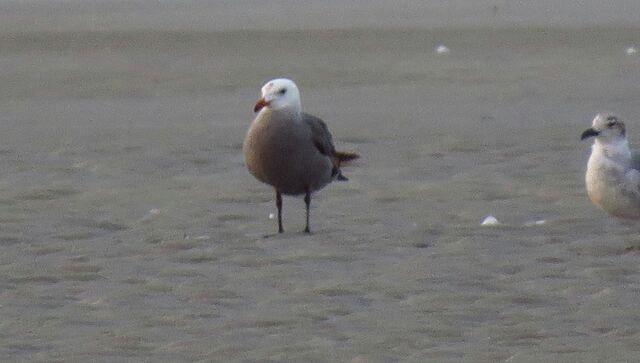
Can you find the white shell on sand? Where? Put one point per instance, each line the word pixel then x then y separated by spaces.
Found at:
pixel 442 49
pixel 490 221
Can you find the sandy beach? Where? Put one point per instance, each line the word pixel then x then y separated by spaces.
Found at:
pixel 131 231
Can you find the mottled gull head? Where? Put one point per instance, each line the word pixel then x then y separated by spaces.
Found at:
pixel 606 128
pixel 279 94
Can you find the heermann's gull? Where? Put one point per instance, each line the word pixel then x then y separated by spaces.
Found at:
pixel 289 149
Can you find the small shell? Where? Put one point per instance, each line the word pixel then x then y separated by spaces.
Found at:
pixel 442 49
pixel 490 221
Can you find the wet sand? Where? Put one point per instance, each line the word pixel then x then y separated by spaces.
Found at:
pixel 131 231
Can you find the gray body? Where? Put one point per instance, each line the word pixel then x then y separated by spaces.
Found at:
pixel 613 183
pixel 279 150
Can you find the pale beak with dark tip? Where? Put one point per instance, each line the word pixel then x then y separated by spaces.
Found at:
pixel 589 133
pixel 260 104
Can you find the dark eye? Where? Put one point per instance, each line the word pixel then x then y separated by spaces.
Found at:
pixel 612 121
pixel 282 91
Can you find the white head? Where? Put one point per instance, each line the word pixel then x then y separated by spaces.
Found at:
pixel 607 128
pixel 279 94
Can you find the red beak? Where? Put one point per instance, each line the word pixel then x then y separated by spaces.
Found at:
pixel 260 104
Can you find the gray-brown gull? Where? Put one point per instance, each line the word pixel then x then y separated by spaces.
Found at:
pixel 288 149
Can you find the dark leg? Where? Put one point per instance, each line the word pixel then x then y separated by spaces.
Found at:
pixel 279 205
pixel 307 202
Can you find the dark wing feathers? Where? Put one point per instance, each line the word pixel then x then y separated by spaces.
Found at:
pixel 320 135
pixel 635 160
pixel 323 141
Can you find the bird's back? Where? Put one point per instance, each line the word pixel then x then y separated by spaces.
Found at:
pixel 635 160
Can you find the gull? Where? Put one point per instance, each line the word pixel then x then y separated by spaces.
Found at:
pixel 613 175
pixel 288 149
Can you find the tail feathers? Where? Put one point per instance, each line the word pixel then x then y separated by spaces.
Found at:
pixel 338 159
pixel 345 156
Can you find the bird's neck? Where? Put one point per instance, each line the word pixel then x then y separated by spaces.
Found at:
pixel 616 150
pixel 292 113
